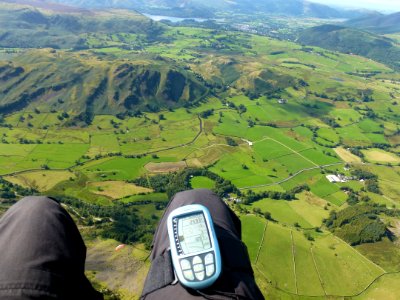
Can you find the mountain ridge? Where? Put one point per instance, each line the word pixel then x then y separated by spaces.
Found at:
pixel 27 26
pixel 207 9
pixel 87 87
pixel 378 23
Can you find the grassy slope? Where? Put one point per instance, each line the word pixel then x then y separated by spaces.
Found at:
pixel 87 85
pixel 355 41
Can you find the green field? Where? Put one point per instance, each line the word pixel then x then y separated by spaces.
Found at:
pixel 380 156
pixel 41 180
pixel 253 231
pixel 282 211
pixel 326 266
pixel 384 288
pixel 202 182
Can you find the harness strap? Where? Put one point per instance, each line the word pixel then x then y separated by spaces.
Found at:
pixel 233 253
pixel 160 275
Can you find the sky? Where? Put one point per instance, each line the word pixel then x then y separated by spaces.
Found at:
pixel 380 5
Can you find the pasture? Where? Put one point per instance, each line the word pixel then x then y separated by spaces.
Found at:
pixel 347 156
pixel 153 197
pixel 116 189
pixel 326 266
pixel 384 253
pixel 165 167
pixel 198 182
pixel 381 156
pixel 282 211
pixel 118 168
pixel 252 233
pixel 40 180
pixel 385 287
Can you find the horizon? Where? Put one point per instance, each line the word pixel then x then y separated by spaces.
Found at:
pixel 386 6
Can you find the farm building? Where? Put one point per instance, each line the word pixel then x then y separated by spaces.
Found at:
pixel 336 178
pixel 282 101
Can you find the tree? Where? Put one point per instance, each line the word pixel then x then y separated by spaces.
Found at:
pixel 231 142
pixel 242 109
pixel 257 210
pixel 267 215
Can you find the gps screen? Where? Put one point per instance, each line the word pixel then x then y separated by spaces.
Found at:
pixel 193 234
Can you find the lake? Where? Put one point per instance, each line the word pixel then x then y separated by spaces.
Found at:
pixel 173 19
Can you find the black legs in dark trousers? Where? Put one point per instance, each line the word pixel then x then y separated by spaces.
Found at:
pixel 42 254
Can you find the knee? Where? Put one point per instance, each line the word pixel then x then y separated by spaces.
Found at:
pixel 33 212
pixel 36 203
pixel 195 196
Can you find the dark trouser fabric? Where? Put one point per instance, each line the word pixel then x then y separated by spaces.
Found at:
pixel 236 280
pixel 42 254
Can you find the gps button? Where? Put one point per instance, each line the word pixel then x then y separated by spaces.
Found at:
pixel 210 270
pixel 200 275
pixel 198 268
pixel 209 259
pixel 197 260
pixel 185 264
pixel 188 275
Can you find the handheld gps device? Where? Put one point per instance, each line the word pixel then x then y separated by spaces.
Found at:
pixel 194 247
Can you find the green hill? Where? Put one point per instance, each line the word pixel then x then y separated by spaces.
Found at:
pixel 354 41
pixel 87 86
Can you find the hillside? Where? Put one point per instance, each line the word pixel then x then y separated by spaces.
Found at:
pixel 348 40
pixel 86 86
pixel 377 23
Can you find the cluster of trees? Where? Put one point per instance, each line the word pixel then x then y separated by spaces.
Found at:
pixel 266 214
pixel 327 144
pixel 22 101
pixel 364 74
pixel 112 154
pixel 251 196
pixel 355 197
pixel 10 191
pixel 205 114
pixel 180 181
pixel 357 151
pixel 88 115
pixel 341 97
pixel 120 222
pixel 129 113
pixel 370 179
pixel 11 72
pixel 231 142
pixel 359 223
pixel 330 121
